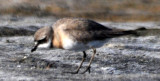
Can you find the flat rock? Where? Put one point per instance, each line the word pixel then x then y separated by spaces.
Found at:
pixel 126 58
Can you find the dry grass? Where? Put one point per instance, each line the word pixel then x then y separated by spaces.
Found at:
pixel 111 10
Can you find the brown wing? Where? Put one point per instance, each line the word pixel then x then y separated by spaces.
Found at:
pixel 85 36
pixel 87 30
pixel 79 24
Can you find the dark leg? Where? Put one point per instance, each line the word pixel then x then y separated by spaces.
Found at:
pixel 88 68
pixel 84 56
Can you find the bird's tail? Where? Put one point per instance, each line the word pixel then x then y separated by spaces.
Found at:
pixel 133 32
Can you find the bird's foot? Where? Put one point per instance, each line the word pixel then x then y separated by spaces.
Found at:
pixel 87 69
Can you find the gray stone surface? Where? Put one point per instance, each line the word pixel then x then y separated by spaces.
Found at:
pixel 126 58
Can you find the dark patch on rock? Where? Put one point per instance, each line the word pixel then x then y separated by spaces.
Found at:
pixel 6 31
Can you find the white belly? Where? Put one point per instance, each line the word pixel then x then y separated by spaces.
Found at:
pixel 72 45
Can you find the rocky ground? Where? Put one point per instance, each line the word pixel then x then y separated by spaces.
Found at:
pixel 126 58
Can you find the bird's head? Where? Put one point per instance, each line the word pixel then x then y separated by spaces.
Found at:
pixel 43 38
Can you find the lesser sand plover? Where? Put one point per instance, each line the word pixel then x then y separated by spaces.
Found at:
pixel 77 34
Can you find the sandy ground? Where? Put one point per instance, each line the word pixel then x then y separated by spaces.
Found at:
pixel 126 58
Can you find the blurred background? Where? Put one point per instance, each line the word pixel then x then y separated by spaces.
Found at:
pixel 102 10
pixel 127 58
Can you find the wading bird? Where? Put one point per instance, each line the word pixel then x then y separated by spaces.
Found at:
pixel 77 34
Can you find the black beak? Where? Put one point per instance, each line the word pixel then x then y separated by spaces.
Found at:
pixel 34 49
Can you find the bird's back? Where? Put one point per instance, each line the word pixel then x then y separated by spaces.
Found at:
pixel 70 31
pixel 79 24
pixel 80 29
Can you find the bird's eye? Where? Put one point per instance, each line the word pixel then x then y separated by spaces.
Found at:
pixel 42 40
